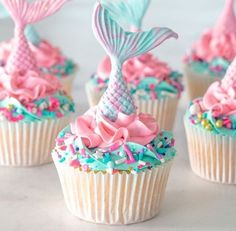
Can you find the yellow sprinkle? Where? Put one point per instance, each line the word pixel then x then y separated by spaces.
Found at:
pixel 199 115
pixel 204 122
pixel 219 123
pixel 9 107
pixel 208 127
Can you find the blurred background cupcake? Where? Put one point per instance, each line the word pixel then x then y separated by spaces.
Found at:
pixel 155 87
pixel 210 124
pixel 113 162
pixel 50 58
pixel 33 106
pixel 211 55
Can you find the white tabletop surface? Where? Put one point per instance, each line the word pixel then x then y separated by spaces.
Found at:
pixel 31 198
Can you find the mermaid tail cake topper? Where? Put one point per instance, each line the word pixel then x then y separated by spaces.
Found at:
pixel 120 46
pixel 24 13
pixel 128 12
pixel 227 21
pixel 30 33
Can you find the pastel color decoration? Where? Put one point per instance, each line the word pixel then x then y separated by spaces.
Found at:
pixel 227 21
pixel 30 32
pixel 121 46
pixel 24 13
pixel 129 12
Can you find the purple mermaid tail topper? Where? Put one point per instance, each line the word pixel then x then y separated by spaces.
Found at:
pixel 120 46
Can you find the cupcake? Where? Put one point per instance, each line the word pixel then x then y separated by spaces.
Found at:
pixel 33 106
pixel 210 124
pixel 210 57
pixel 49 58
pixel 113 163
pixel 155 87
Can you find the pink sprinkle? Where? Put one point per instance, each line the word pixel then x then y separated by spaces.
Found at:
pixel 229 125
pixel 140 166
pixel 72 149
pixel 152 86
pixel 130 155
pixel 75 163
pixel 114 147
pixel 63 148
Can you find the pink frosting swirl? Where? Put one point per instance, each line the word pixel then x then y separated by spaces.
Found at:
pixel 45 53
pixel 213 45
pixel 136 69
pixel 28 86
pixel 97 131
pixel 220 97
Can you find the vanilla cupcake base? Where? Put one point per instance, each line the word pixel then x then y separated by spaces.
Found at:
pixel 114 199
pixel 212 156
pixel 29 144
pixel 197 84
pixel 67 82
pixel 93 95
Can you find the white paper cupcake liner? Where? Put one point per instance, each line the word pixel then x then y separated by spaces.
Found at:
pixel 212 156
pixel 163 110
pixel 114 199
pixel 29 144
pixel 93 95
pixel 67 82
pixel 197 84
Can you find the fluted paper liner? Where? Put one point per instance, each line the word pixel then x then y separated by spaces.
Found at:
pixel 197 84
pixel 29 144
pixel 114 199
pixel 212 156
pixel 67 82
pixel 163 110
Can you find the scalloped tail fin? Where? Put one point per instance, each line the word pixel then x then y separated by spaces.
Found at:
pixel 128 12
pixel 125 45
pixel 227 20
pixel 24 13
pixel 120 46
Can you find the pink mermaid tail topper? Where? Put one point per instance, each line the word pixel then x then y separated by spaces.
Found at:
pixel 120 46
pixel 227 21
pixel 24 13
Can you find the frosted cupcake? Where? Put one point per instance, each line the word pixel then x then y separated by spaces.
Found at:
pixel 113 162
pixel 210 124
pixel 155 87
pixel 49 58
pixel 33 107
pixel 210 57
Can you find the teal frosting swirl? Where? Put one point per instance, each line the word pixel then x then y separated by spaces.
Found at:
pixel 51 107
pixel 205 120
pixel 70 151
pixel 217 67
pixel 61 70
pixel 148 87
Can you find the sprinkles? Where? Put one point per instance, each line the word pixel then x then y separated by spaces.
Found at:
pixel 130 158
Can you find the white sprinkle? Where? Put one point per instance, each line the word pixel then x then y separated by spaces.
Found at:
pixel 194 109
pixel 159 144
pixel 43 105
pixel 34 110
pixel 142 162
pixel 120 161
pixel 98 155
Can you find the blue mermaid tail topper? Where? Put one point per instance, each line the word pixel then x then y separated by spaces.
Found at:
pixel 30 32
pixel 120 46
pixel 128 12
